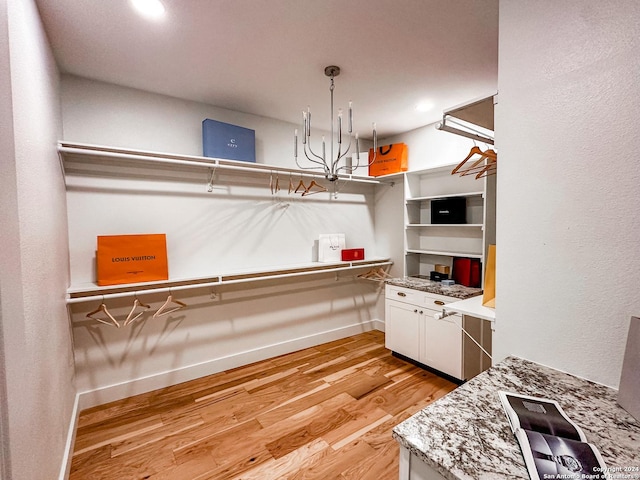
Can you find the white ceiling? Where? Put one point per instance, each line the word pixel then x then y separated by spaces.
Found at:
pixel 267 57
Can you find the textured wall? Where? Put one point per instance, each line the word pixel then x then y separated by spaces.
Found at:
pixel 568 268
pixel 38 361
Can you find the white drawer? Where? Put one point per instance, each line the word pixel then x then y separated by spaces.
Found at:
pixel 417 297
pixel 435 301
pixel 402 294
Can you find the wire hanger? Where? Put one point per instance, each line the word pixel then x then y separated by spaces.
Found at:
pixel 131 318
pixel 166 309
pixel 103 308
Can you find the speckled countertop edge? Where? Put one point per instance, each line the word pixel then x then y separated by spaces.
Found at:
pixel 424 285
pixel 465 435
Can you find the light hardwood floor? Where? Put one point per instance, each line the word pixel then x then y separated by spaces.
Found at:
pixel 322 413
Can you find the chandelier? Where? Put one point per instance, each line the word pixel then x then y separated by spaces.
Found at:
pixel 337 148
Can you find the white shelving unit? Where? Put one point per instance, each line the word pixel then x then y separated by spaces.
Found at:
pixel 93 292
pixel 98 160
pixel 87 154
pixel 428 244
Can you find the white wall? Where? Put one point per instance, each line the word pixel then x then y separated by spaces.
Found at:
pixel 36 359
pixel 107 114
pixel 240 225
pixel 568 268
pixel 429 147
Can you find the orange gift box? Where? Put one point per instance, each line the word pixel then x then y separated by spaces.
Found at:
pixel 131 259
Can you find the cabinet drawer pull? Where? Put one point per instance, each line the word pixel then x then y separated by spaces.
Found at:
pixel 438 302
pixel 402 294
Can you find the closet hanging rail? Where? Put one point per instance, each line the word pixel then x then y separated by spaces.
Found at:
pixel 469 133
pixel 466 120
pixel 94 293
pixel 66 150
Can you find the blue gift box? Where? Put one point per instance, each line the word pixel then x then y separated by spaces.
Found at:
pixel 223 140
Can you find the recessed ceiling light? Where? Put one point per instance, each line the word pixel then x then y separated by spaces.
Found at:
pixel 149 8
pixel 424 106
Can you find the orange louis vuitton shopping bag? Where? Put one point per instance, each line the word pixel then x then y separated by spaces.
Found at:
pixel 389 159
pixel 131 259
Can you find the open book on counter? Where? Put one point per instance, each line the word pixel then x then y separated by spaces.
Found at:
pixel 553 446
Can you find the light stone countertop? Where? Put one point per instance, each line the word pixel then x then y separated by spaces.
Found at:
pixel 456 291
pixel 466 435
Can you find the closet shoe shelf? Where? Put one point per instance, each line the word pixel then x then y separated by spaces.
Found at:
pixel 93 292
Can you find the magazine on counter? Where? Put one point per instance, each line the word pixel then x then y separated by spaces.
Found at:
pixel 553 446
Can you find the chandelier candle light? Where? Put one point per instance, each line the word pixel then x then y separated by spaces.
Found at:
pixel 330 166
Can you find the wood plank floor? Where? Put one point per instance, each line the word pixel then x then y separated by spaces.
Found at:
pixel 322 413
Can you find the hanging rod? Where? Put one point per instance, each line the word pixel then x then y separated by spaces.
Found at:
pixel 472 134
pixel 170 159
pixel 134 290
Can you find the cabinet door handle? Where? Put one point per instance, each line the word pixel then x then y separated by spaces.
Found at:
pixel 438 302
pixel 421 312
pixel 415 311
pixel 402 294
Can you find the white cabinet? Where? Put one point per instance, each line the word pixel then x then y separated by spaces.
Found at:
pixel 443 344
pixel 413 331
pixel 427 243
pixel 402 328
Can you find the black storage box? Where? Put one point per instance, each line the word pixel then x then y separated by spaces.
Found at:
pixel 438 277
pixel 449 210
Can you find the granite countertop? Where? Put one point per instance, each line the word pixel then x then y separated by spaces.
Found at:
pixel 457 291
pixel 466 435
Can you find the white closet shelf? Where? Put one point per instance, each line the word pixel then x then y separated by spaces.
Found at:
pixel 436 225
pixel 445 253
pixel 86 152
pixel 92 292
pixel 438 197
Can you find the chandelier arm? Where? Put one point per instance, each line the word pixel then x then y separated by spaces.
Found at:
pixel 321 165
pixel 368 164
pixel 340 157
pixel 308 168
pixel 319 160
pixel 343 167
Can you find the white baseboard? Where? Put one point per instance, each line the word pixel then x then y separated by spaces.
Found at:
pixel 378 325
pixel 137 386
pixel 65 468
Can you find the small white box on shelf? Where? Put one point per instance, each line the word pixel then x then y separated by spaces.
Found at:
pixel 330 246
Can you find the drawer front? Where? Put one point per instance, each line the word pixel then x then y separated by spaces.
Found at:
pixel 435 301
pixel 406 295
pixel 417 297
